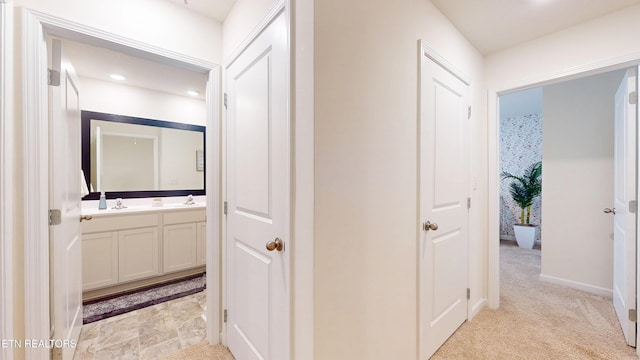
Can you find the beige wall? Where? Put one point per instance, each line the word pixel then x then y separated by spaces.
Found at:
pixel 111 98
pixel 141 20
pixel 578 182
pixel 366 225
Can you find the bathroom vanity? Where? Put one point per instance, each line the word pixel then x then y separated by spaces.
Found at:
pixel 125 249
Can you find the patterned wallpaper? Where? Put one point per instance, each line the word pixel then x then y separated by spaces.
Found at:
pixel 520 146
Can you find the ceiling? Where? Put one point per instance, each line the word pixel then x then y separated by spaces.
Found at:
pixel 214 9
pixel 99 63
pixel 493 25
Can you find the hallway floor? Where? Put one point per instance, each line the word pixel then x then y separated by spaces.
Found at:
pixel 538 320
pixel 148 333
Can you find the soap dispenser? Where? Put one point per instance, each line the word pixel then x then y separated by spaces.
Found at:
pixel 103 202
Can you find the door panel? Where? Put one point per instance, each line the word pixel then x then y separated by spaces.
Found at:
pixel 258 197
pixel 66 264
pixel 624 226
pixel 443 201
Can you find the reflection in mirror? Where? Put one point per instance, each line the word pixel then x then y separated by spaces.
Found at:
pixel 135 157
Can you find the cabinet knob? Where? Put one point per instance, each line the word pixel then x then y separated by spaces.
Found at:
pixel 85 217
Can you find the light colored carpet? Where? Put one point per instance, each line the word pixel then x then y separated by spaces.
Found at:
pixel 538 320
pixel 202 351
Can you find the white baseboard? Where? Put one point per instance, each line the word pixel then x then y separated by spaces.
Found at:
pixel 577 285
pixel 508 237
pixel 475 309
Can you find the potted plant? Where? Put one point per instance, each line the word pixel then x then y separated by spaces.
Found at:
pixel 524 189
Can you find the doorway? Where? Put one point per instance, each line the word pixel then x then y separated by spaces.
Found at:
pixel 37 163
pixel 578 181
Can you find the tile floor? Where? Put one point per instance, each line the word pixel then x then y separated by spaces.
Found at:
pixel 148 333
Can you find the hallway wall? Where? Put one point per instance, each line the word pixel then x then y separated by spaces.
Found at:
pixel 366 225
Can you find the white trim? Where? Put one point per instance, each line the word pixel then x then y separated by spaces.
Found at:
pixel 36 159
pixel 213 169
pixel 302 110
pixel 475 308
pixel 6 175
pixel 440 60
pixel 36 183
pixel 493 129
pixel 577 285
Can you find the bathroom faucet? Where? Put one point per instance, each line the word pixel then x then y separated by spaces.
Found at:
pixel 119 204
pixel 189 200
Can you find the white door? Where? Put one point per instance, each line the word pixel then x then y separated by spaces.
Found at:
pixel 258 198
pixel 624 223
pixel 443 246
pixel 65 238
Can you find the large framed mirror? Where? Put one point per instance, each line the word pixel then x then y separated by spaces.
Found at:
pixel 131 157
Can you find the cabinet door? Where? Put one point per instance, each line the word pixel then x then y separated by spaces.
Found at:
pixel 179 247
pixel 202 243
pixel 99 260
pixel 139 253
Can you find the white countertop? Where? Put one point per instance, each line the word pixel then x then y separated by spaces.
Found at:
pixel 140 208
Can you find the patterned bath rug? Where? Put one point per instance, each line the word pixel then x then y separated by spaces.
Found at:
pixel 95 310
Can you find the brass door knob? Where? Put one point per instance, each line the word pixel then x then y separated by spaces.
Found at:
pixel 275 244
pixel 609 211
pixel 429 226
pixel 85 217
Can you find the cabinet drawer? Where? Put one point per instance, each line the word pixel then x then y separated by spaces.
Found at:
pixel 119 222
pixel 180 217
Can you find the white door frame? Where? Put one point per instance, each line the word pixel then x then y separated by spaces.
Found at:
pixel 36 164
pixel 6 175
pixel 493 137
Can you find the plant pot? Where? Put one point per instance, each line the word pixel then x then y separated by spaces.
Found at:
pixel 525 235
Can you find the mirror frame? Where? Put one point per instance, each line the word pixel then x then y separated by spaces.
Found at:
pixel 87 116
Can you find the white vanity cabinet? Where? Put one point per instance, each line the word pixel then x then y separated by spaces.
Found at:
pixel 138 251
pixel 99 260
pixel 181 239
pixel 119 248
pixel 127 249
pixel 202 243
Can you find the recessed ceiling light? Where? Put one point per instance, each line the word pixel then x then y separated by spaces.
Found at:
pixel 117 77
pixel 193 93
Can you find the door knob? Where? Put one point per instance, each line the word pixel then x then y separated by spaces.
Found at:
pixel 85 217
pixel 609 211
pixel 429 226
pixel 275 244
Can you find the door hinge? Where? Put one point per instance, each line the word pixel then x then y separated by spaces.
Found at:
pixel 224 315
pixel 225 100
pixel 225 208
pixel 633 98
pixel 633 316
pixel 469 113
pixel 53 77
pixel 469 203
pixel 633 206
pixel 468 294
pixel 55 217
